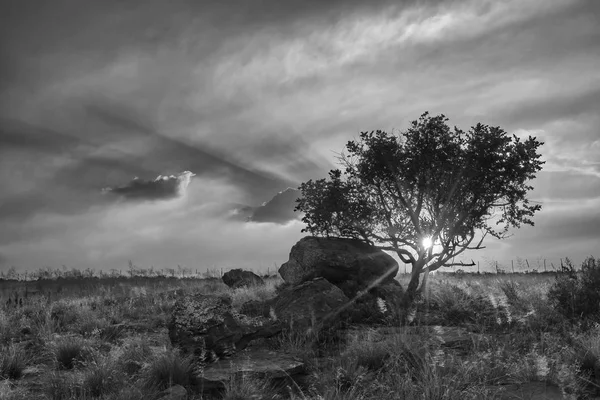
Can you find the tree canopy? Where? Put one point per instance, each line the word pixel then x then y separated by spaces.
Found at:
pixel 428 193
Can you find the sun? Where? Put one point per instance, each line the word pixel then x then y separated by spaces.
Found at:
pixel 427 242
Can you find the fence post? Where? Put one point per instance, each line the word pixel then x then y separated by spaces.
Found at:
pixel 512 263
pixel 527 263
pixel 477 266
pixel 545 265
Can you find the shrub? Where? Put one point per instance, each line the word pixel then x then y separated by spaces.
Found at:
pixel 577 295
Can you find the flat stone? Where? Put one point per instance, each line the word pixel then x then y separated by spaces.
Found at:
pixel 260 363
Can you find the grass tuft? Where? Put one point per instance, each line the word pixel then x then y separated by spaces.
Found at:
pixel 169 369
pixel 12 362
pixel 68 351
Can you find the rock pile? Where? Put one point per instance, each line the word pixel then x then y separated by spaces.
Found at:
pixel 326 281
pixel 205 326
pixel 362 272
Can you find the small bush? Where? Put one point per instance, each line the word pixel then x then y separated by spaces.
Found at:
pixel 577 295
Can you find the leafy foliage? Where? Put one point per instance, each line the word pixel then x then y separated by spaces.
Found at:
pixel 430 181
pixel 577 295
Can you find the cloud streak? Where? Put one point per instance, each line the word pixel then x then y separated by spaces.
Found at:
pixel 162 187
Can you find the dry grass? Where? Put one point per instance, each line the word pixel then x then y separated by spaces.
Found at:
pixel 111 343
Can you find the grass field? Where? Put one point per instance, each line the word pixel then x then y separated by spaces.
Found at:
pixel 92 338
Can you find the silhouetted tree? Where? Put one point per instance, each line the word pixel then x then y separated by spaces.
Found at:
pixel 428 184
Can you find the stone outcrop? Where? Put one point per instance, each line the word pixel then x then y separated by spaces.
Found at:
pixel 315 304
pixel 205 326
pixel 350 264
pixel 237 278
pixel 257 363
pixel 306 308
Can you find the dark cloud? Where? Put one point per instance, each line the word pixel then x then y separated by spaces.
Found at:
pixel 280 209
pixel 163 187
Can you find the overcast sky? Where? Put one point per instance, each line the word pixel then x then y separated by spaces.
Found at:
pixel 215 102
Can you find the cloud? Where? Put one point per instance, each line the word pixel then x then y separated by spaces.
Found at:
pixel 162 187
pixel 280 209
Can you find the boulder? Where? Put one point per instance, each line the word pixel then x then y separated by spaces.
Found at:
pixel 258 363
pixel 205 326
pixel 309 307
pixel 237 278
pixel 350 264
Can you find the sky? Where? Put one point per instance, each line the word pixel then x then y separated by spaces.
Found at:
pixel 129 129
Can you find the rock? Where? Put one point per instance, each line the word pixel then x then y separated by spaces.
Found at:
pixel 204 325
pixel 310 306
pixel 260 363
pixel 176 392
pixel 255 308
pixel 382 304
pixel 237 278
pixel 350 264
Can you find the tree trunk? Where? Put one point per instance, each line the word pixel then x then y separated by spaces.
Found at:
pixel 424 282
pixel 411 291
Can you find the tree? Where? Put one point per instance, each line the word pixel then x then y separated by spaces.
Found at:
pixel 428 194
